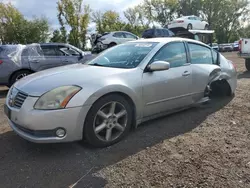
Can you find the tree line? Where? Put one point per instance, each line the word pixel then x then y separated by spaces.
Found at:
pixel 229 19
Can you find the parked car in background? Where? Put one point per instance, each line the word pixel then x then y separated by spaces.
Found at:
pixel 236 46
pixel 18 61
pixel 157 32
pixel 122 87
pixel 111 39
pixel 244 51
pixel 225 48
pixel 215 46
pixel 188 22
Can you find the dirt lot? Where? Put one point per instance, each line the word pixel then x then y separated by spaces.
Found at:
pixel 200 147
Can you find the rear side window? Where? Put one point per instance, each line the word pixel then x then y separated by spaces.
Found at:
pixel 130 36
pixel 174 53
pixel 148 33
pixel 200 54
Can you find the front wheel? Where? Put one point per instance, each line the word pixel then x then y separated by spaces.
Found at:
pixel 247 64
pixel 108 121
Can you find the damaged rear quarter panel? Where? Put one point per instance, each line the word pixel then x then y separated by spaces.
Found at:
pixel 203 74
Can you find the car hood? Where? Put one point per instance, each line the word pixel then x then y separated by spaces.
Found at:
pixel 77 74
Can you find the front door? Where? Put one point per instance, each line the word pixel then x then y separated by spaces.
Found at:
pixel 168 89
pixel 71 56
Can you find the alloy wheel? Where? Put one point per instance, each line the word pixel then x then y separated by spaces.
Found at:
pixel 21 76
pixel 110 121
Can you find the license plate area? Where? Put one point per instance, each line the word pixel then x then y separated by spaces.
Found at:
pixel 7 111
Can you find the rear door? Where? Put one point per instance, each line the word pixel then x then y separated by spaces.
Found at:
pixel 44 57
pixel 202 64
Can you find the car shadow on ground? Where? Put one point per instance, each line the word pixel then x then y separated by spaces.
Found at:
pixel 245 74
pixel 24 164
pixel 3 93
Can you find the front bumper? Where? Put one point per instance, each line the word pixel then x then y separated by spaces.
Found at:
pixel 39 126
pixel 101 46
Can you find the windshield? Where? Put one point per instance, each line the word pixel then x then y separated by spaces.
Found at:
pixel 128 55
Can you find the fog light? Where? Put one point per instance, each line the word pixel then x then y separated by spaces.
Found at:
pixel 60 132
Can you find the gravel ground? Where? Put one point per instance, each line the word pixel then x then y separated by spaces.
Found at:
pixel 207 146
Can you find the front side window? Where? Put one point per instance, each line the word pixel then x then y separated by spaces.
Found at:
pixel 128 55
pixel 174 53
pixel 119 35
pixel 166 34
pixel 130 36
pixel 215 56
pixel 200 54
pixel 69 51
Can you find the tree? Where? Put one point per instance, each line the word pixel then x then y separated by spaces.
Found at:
pixel 161 11
pixel 135 16
pixel 57 37
pixel 225 21
pixel 72 13
pixel 107 21
pixel 15 29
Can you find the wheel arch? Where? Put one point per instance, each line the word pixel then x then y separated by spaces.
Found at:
pixel 125 92
pixel 19 70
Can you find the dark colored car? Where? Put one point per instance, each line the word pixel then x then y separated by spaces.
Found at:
pixel 18 61
pixel 155 33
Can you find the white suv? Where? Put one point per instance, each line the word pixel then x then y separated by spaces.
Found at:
pixel 113 38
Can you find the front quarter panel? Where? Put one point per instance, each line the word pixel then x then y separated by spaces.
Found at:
pixel 128 83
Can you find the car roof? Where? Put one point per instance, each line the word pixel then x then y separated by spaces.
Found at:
pixel 169 39
pixel 53 44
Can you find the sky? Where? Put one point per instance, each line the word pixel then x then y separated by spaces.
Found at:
pixel 30 8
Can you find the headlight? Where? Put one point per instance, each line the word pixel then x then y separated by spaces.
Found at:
pixel 57 98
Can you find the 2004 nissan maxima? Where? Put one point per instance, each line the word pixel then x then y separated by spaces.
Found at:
pixel 125 85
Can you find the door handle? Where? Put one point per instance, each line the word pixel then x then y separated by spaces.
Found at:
pixel 35 61
pixel 186 73
pixel 66 61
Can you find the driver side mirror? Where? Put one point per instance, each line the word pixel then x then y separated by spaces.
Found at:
pixel 158 66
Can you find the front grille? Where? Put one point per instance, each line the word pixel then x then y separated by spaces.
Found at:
pixel 19 99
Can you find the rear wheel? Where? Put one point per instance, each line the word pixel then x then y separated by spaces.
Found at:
pixel 112 44
pixel 247 64
pixel 108 121
pixel 206 27
pixel 18 75
pixel 190 26
pixel 220 88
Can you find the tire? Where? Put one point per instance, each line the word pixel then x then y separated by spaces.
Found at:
pixel 206 27
pixel 111 45
pixel 247 64
pixel 190 26
pixel 18 75
pixel 90 126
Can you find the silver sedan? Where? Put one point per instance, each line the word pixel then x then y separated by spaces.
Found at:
pixel 122 87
